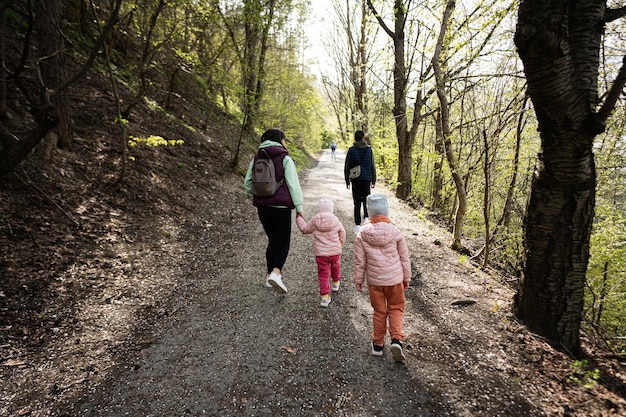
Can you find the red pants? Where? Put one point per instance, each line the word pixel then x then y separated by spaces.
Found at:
pixel 328 266
pixel 388 303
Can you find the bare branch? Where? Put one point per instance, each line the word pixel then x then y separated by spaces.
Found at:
pixel 614 14
pixel 380 19
pixel 613 94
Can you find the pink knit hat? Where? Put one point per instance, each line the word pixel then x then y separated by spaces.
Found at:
pixel 325 205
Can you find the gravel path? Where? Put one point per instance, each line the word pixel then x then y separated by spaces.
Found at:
pixel 232 347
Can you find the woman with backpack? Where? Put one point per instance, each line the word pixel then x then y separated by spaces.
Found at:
pixel 275 210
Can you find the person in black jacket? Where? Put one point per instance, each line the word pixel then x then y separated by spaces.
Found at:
pixel 360 153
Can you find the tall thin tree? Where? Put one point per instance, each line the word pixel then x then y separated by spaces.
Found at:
pixel 51 64
pixel 403 135
pixel 445 127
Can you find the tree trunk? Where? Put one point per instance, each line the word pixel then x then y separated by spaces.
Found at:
pixel 486 198
pixel 3 72
pixel 250 64
pixel 461 194
pixel 557 228
pixel 405 139
pixel 360 84
pixel 15 145
pixel 261 67
pixel 597 319
pixel 438 173
pixel 559 44
pixel 50 49
pixel 357 56
pixel 148 48
pixel 405 147
pixel 253 66
pixel 170 88
pixel 503 220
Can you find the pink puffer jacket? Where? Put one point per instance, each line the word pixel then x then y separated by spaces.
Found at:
pixel 328 233
pixel 381 254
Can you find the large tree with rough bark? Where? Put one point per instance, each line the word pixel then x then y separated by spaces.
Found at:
pixel 559 42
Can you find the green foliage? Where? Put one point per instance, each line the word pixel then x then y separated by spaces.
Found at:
pixel 153 141
pixel 582 374
pixel 327 138
pixel 292 94
pixel 120 120
pixel 606 275
pixel 386 154
pixel 300 157
pixel 605 295
pixel 293 105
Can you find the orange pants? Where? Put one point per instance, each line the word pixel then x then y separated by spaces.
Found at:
pixel 388 304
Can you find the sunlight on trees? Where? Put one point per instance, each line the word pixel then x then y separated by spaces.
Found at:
pixel 490 117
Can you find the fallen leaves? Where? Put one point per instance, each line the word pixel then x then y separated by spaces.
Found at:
pixel 13 362
pixel 289 349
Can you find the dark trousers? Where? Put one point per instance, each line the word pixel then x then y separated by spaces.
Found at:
pixel 276 222
pixel 360 191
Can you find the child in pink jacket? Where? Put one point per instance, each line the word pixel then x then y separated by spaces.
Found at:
pixel 382 255
pixel 328 239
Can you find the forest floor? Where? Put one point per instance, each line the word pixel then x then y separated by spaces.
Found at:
pixel 147 298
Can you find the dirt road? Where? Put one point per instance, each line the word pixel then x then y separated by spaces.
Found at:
pixel 232 347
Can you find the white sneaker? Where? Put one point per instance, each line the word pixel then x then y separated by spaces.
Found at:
pixel 377 350
pixel 357 229
pixel 366 220
pixel 325 301
pixel 334 285
pixel 267 282
pixel 277 282
pixel 396 351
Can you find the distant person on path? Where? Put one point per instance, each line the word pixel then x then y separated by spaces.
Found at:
pixel 333 148
pixel 328 239
pixel 275 211
pixel 382 255
pixel 360 153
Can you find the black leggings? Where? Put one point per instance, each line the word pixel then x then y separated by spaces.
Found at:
pixel 360 191
pixel 276 222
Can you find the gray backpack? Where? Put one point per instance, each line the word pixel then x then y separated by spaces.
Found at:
pixel 264 183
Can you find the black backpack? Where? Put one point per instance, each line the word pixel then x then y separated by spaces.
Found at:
pixel 264 183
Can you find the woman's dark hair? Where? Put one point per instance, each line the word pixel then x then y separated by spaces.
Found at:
pixel 275 135
pixel 359 135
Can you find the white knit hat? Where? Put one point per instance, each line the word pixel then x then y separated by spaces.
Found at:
pixel 377 204
pixel 325 205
